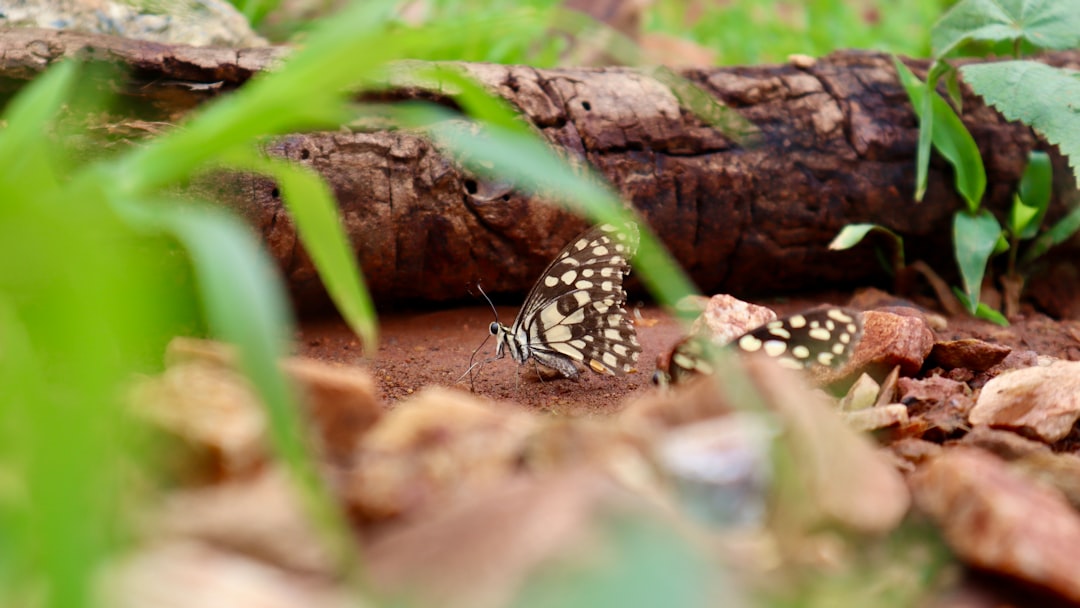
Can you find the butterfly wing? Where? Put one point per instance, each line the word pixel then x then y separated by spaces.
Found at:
pixel 576 310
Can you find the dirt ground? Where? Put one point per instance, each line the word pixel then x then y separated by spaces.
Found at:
pixel 418 349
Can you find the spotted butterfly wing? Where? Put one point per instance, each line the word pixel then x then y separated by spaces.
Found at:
pixel 575 312
pixel 822 337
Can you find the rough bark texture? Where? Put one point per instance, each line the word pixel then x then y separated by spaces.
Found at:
pixel 836 145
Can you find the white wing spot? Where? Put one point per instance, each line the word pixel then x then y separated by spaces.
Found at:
pixel 838 349
pixel 620 349
pixel 610 360
pixel 780 332
pixel 581 297
pixel 607 271
pixel 583 284
pixel 844 338
pixel 569 276
pixel 579 343
pixel 750 344
pixel 829 325
pixel 607 286
pixel 550 281
pixel 588 272
pixel 839 315
pixel 825 358
pixel 774 348
pixel 612 334
pixel 582 244
pixel 820 333
pixel 800 352
pixel 600 250
pixel 797 321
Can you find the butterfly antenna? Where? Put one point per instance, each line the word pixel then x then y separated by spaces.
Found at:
pixel 468 372
pixel 493 311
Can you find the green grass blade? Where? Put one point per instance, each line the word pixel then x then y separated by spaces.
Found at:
pixel 532 166
pixel 318 221
pixel 245 304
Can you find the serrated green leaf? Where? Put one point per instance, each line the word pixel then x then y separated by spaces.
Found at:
pixel 1046 24
pixel 1045 98
pixel 949 136
pixel 974 239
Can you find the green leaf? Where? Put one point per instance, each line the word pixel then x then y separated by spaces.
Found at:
pixel 1046 24
pixel 974 239
pixel 315 211
pixel 1041 96
pixel 982 311
pixel 851 235
pixel 950 137
pixel 1020 217
pixel 1060 232
pixel 1035 187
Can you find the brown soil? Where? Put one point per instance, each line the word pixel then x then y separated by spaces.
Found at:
pixel 434 348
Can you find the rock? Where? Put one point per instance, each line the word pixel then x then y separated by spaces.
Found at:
pixel 727 317
pixel 879 417
pixel 863 394
pixel 1061 471
pixel 890 340
pixel 915 451
pixel 263 517
pixel 340 400
pixel 1006 444
pixel 434 447
pixel 996 519
pixel 185 573
pixel 938 403
pixel 721 468
pixel 971 354
pixel 1044 401
pixel 844 477
pixel 481 550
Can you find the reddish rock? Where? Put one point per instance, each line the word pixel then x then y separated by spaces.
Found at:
pixel 970 354
pixel 889 340
pixel 1043 400
pixel 998 520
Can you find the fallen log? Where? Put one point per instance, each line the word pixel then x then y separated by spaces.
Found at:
pixel 835 144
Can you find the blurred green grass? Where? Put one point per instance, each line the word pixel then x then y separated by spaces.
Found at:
pixel 103 263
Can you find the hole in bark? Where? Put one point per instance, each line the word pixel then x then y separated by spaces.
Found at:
pixel 586 105
pixel 470 186
pixel 506 198
pixel 275 193
pixel 304 154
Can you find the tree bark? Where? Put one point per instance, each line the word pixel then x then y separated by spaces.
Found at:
pixel 835 145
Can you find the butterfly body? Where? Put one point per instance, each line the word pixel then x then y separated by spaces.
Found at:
pixel 575 312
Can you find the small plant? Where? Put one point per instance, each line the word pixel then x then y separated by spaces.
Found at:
pixel 1039 95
